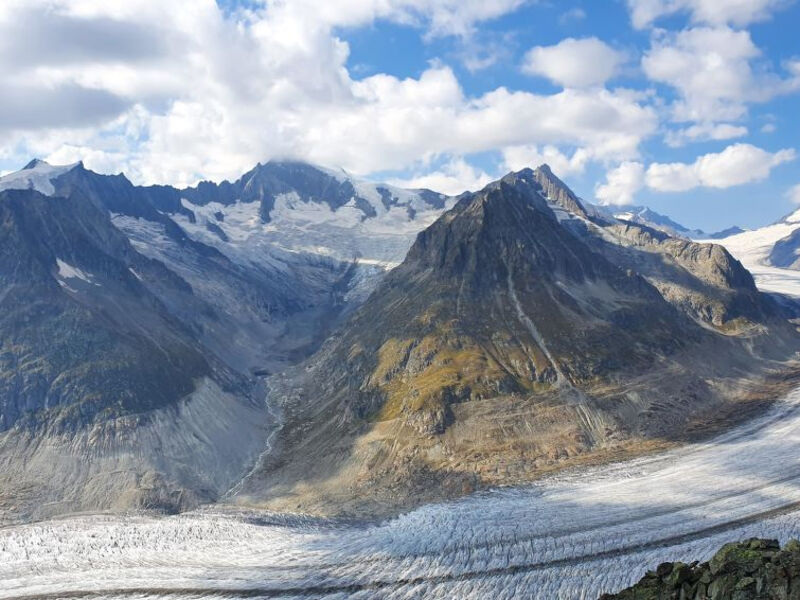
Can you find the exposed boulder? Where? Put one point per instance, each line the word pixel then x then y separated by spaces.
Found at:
pixel 755 569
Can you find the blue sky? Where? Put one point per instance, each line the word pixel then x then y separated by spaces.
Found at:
pixel 688 106
pixel 403 51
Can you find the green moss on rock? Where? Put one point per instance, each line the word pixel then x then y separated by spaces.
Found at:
pixel 755 569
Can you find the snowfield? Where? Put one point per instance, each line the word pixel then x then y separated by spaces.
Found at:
pixel 752 249
pixel 36 176
pixel 572 536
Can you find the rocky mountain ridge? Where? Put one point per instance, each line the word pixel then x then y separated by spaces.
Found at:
pixel 136 334
pixel 521 333
pixel 517 337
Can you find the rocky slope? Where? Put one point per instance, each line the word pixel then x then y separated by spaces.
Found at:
pixel 138 321
pixel 751 570
pixel 99 379
pixel 521 334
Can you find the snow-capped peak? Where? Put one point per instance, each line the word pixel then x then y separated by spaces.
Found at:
pixel 793 218
pixel 36 175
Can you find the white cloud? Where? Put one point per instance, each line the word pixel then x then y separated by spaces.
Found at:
pixel 704 131
pixel 621 184
pixel 715 12
pixel 228 91
pixel 794 193
pixel 439 17
pixel 453 178
pixel 516 158
pixel 573 14
pixel 574 62
pixel 712 71
pixel 769 128
pixel 736 165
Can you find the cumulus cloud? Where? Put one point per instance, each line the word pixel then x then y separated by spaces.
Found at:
pixel 453 178
pixel 621 184
pixel 574 62
pixel 29 107
pixel 516 158
pixel 716 12
pixel 794 193
pixel 704 131
pixel 219 92
pixel 712 71
pixel 736 165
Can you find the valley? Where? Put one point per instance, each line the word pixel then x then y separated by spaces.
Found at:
pixel 569 536
pixel 397 394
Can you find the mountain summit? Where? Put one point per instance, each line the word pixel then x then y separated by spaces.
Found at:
pixel 519 335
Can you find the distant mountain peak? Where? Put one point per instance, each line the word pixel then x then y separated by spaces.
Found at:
pixel 36 162
pixel 36 175
pixel 793 217
pixel 557 191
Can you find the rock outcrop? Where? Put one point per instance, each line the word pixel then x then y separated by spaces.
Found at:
pixel 755 569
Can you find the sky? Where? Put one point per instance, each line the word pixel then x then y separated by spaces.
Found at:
pixel 687 106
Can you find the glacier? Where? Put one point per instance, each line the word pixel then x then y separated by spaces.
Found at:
pixel 570 536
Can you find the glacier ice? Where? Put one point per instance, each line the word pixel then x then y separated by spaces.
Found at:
pixel 570 536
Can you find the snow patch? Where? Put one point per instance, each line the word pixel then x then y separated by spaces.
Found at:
pixel 38 178
pixel 67 271
pixel 314 228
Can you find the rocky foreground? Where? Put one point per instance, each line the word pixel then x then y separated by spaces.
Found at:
pixel 752 570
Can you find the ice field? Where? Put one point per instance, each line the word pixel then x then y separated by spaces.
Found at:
pixel 574 536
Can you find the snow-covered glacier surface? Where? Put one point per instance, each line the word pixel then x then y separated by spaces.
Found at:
pixel 572 536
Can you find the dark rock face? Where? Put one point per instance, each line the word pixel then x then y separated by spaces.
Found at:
pixel 721 235
pixel 786 252
pixel 556 190
pixel 500 293
pixel 752 570
pixel 80 333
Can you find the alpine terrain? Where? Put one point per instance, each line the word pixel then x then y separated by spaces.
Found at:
pixel 139 322
pixel 524 332
pixel 285 341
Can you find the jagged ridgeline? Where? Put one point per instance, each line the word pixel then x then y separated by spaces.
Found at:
pixel 136 323
pixel 414 346
pixel 523 332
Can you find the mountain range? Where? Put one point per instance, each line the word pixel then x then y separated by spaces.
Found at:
pixel 643 215
pixel 522 334
pixel 410 346
pixel 139 322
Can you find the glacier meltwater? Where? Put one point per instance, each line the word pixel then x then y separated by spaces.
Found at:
pixel 572 536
